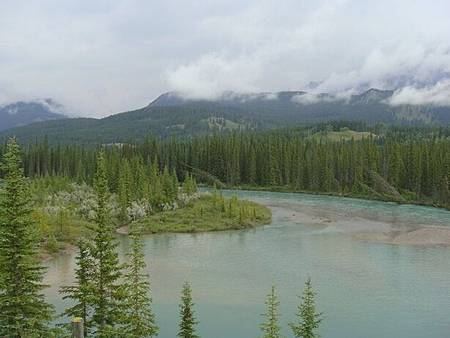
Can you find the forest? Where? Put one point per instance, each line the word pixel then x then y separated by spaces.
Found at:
pixel 402 164
pixel 108 298
pixel 86 192
pixel 81 194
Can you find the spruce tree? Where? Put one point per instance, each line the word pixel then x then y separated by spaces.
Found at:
pixel 107 292
pixel 124 190
pixel 271 328
pixel 23 310
pixel 308 318
pixel 139 318
pixel 189 185
pixel 188 321
pixel 444 191
pixel 81 293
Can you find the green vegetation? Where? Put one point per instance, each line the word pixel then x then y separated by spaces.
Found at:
pixel 139 318
pixel 308 319
pixel 23 310
pixel 345 134
pixel 271 328
pixel 400 164
pixel 80 292
pixel 188 323
pixel 110 298
pixel 106 287
pixel 83 194
pixel 173 116
pixel 208 213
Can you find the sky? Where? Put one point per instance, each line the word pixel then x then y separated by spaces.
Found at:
pixel 99 57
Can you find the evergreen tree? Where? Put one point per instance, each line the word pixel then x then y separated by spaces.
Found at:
pixel 189 185
pixel 139 318
pixel 81 293
pixel 124 189
pixel 271 328
pixel 169 185
pixel 23 310
pixel 107 293
pixel 188 321
pixel 308 318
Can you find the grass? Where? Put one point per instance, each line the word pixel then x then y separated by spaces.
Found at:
pixel 343 135
pixel 208 213
pixel 58 232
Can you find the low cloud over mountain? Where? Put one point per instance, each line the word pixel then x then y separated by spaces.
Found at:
pixel 100 57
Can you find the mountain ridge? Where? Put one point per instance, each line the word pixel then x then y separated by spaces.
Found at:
pixel 22 113
pixel 171 114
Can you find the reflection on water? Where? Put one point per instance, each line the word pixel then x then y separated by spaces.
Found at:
pixel 369 290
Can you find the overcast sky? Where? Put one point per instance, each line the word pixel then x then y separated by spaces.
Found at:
pixel 99 57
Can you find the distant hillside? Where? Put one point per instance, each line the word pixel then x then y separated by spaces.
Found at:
pixel 170 114
pixel 344 134
pixel 23 113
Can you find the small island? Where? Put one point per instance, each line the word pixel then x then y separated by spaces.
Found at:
pixel 65 211
pixel 209 212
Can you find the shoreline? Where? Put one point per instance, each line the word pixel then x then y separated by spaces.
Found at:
pixel 335 194
pixel 360 227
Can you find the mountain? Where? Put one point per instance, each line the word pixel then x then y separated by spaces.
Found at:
pixel 26 112
pixel 171 114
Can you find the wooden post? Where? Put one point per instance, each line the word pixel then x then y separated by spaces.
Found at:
pixel 77 328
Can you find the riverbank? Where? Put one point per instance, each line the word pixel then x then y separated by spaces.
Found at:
pixel 366 223
pixel 368 197
pixel 418 237
pixel 208 213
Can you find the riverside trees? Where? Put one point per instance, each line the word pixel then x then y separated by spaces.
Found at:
pixel 308 320
pixel 414 162
pixel 111 304
pixel 23 310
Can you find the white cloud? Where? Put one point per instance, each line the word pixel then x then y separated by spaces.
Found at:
pixel 313 98
pixel 437 95
pixel 101 57
pixel 212 75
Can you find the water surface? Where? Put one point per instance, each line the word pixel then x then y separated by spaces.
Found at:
pixel 366 290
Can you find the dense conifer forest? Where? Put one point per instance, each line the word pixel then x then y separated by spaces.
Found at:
pixel 148 185
pixel 108 299
pixel 397 163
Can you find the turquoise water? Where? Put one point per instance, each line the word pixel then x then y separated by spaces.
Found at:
pixel 366 290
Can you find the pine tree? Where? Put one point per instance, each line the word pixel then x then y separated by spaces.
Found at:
pixel 444 191
pixel 189 185
pixel 23 310
pixel 124 189
pixel 271 328
pixel 169 185
pixel 188 321
pixel 81 293
pixel 308 318
pixel 108 295
pixel 139 318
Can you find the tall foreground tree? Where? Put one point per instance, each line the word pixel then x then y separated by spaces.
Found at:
pixel 81 292
pixel 107 292
pixel 139 319
pixel 308 318
pixel 23 310
pixel 271 328
pixel 188 321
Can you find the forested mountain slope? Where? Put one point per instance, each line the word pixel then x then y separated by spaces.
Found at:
pixel 172 115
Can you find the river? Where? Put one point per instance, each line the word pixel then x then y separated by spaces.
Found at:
pixel 367 287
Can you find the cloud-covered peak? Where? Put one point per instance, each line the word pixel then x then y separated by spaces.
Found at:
pixel 101 57
pixel 436 95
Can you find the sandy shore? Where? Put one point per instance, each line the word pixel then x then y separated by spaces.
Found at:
pixel 423 236
pixel 370 228
pixel 68 249
pixel 123 230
